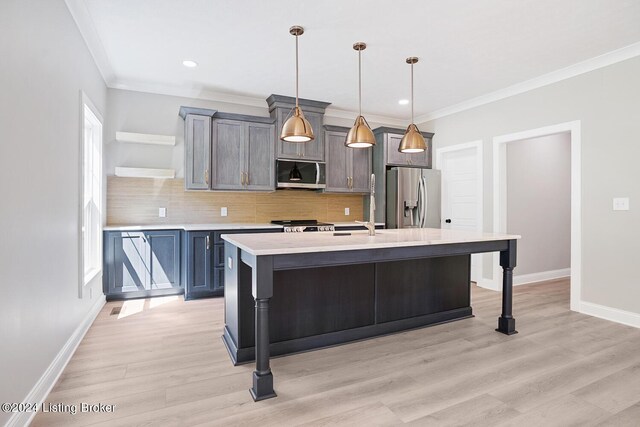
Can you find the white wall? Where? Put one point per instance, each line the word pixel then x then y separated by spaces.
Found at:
pixel 539 202
pixel 607 102
pixel 142 112
pixel 45 65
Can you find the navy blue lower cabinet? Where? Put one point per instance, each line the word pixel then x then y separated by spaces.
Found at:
pixel 198 257
pixel 203 258
pixel 142 264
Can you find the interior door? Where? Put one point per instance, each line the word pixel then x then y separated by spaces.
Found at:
pixel 461 195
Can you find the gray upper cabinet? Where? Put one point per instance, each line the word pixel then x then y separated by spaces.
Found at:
pixel 280 107
pixel 348 169
pixel 259 156
pixel 225 151
pixel 360 169
pixel 243 154
pixel 228 155
pixel 197 145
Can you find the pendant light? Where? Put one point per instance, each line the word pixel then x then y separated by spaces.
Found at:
pixel 412 141
pixel 294 173
pixel 296 128
pixel 360 135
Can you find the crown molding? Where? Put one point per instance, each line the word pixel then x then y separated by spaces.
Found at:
pixel 81 16
pixel 592 64
pixel 196 92
pixel 351 115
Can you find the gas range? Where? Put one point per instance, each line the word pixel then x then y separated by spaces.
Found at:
pixel 303 225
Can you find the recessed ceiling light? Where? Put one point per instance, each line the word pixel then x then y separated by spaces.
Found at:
pixel 403 102
pixel 189 63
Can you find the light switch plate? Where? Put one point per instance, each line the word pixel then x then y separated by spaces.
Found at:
pixel 223 211
pixel 162 212
pixel 620 203
pixel 346 211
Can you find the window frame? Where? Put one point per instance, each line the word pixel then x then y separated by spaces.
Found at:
pixel 89 112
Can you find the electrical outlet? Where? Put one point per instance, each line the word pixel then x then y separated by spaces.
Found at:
pixel 223 211
pixel 620 203
pixel 162 212
pixel 346 212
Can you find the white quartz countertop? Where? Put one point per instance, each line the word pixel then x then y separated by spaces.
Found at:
pixel 189 227
pixel 294 243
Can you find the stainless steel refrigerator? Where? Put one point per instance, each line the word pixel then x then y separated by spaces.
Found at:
pixel 413 198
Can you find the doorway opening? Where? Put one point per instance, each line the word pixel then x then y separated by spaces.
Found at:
pixel 462 201
pixel 562 132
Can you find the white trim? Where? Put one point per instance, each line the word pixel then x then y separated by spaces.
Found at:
pixel 82 277
pixel 542 276
pixel 87 29
pixel 499 197
pixel 609 313
pixel 372 118
pixel 145 138
pixel 43 387
pixel 478 145
pixel 586 66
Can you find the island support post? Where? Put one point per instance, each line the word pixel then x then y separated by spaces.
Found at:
pixel 506 322
pixel 262 272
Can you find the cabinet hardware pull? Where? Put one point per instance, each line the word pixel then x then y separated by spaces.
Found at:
pixel 207 239
pixel 246 178
pixel 241 178
pixel 206 176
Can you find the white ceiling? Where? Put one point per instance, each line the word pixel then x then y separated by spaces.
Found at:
pixel 466 48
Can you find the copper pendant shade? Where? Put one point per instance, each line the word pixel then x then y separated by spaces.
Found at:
pixel 412 141
pixel 360 135
pixel 296 128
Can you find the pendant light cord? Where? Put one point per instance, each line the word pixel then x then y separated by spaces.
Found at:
pixel 360 81
pixel 412 93
pixel 296 71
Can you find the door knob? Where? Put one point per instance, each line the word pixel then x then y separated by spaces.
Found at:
pixel 448 220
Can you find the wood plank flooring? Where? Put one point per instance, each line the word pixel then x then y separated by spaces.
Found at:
pixel 163 363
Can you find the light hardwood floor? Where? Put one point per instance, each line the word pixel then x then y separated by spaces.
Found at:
pixel 166 366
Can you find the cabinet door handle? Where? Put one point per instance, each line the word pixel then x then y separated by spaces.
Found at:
pixel 246 178
pixel 347 182
pixel 206 176
pixel 207 240
pixel 241 178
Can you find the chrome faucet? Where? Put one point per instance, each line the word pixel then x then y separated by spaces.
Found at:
pixel 371 224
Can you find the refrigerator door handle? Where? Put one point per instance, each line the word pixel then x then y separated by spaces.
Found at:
pixel 425 202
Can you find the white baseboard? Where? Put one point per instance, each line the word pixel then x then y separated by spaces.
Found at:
pixel 541 276
pixel 494 285
pixel 41 389
pixel 609 313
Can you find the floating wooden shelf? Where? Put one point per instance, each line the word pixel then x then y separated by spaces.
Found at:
pixel 145 173
pixel 145 138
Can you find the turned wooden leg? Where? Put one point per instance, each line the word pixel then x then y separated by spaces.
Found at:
pixel 506 322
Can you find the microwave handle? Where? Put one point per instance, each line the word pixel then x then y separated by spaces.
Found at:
pixel 317 173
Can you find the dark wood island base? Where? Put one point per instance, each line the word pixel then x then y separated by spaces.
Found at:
pixel 281 303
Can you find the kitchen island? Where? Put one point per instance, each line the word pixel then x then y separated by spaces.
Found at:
pixel 286 293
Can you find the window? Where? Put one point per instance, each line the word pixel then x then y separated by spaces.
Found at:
pixel 91 194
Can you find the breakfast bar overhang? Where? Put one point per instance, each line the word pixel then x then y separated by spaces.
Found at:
pixel 351 285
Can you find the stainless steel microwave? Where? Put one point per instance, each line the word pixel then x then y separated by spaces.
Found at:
pixel 300 174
